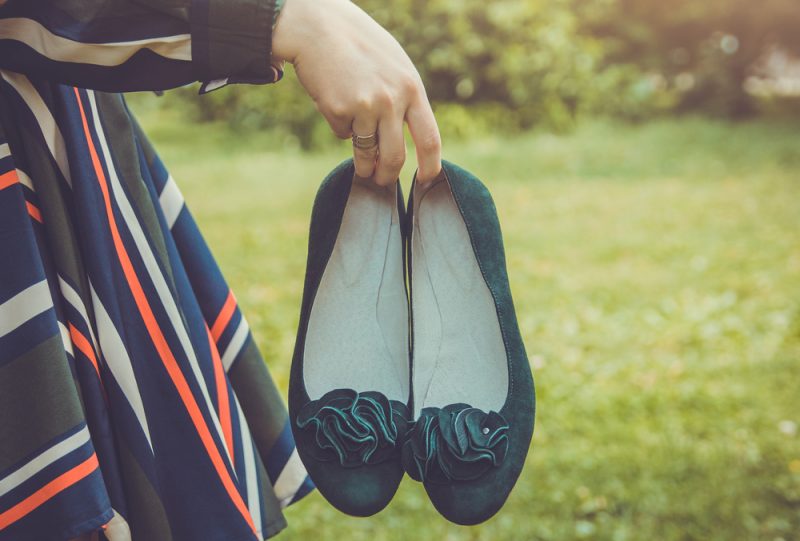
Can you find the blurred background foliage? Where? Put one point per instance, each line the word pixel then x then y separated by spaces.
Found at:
pixel 652 237
pixel 509 65
pixel 655 269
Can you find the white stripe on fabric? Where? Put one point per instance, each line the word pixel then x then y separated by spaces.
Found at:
pixel 24 306
pixel 154 271
pixel 171 200
pixel 47 124
pixel 215 84
pixel 290 479
pixel 42 460
pixel 72 297
pixel 65 338
pixel 236 344
pixel 250 474
pixel 119 363
pixel 5 151
pixel 61 49
pixel 25 180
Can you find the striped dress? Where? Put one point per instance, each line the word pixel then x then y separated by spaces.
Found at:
pixel 133 401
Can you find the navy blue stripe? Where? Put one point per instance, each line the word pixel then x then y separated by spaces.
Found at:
pixel 200 266
pixel 27 336
pixel 260 488
pixel 29 194
pixel 227 334
pixel 16 241
pixel 128 23
pixel 47 474
pixel 241 478
pixel 6 164
pixel 144 70
pixel 78 509
pixel 238 440
pixel 27 121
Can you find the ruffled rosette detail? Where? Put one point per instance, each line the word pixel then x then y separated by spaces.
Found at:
pixel 455 443
pixel 355 429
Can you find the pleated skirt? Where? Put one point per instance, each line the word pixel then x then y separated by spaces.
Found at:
pixel 133 400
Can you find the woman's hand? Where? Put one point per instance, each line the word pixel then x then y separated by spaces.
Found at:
pixel 362 82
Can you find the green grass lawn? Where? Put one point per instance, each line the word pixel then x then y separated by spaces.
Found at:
pixel 656 274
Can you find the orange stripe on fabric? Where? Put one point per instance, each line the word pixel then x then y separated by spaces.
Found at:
pixel 33 210
pixel 51 489
pixel 224 316
pixel 8 179
pixel 84 346
pixel 223 400
pixel 160 343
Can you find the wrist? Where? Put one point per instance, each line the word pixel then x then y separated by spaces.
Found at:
pixel 277 6
pixel 283 47
pixel 303 24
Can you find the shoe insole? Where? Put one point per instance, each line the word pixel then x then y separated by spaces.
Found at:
pixel 357 334
pixel 459 354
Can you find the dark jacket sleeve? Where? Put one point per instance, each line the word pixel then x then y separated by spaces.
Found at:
pixel 126 45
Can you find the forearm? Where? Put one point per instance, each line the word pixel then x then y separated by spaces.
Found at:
pixel 138 44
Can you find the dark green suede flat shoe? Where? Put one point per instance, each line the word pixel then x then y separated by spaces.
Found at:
pixel 349 383
pixel 473 395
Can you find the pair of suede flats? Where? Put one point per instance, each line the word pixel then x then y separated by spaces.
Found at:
pixel 408 357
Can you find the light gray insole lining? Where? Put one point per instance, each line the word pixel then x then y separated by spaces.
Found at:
pixel 459 354
pixel 357 333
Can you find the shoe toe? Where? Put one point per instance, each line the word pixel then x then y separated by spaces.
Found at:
pixel 468 503
pixel 362 491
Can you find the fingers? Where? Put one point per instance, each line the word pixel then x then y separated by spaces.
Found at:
pixel 427 141
pixel 364 158
pixel 339 121
pixel 392 148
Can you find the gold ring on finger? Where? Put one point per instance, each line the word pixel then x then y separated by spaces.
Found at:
pixel 365 142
